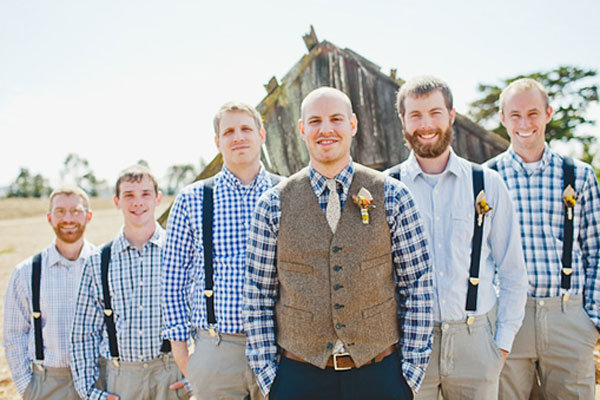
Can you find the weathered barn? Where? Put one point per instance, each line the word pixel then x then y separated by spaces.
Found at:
pixel 379 142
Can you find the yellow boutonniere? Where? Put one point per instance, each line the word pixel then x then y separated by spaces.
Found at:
pixel 364 201
pixel 570 199
pixel 481 207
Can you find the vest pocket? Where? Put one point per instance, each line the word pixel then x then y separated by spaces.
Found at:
pixel 295 267
pixel 379 308
pixel 376 262
pixel 295 313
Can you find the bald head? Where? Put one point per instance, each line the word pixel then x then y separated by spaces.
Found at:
pixel 328 93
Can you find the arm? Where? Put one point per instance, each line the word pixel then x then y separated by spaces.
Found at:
pixel 504 239
pixel 177 263
pixel 86 334
pixel 17 326
pixel 260 291
pixel 415 282
pixel 589 236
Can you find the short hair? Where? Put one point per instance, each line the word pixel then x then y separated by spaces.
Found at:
pixel 236 106
pixel 135 173
pixel 422 86
pixel 324 90
pixel 523 85
pixel 70 191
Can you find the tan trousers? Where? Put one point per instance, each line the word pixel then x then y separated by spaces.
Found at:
pixel 557 339
pixel 51 384
pixel 218 369
pixel 144 380
pixel 465 362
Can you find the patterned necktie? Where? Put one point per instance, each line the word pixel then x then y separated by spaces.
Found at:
pixel 333 205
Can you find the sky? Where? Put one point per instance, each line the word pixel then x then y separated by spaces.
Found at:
pixel 120 81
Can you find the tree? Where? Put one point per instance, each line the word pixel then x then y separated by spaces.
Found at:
pixel 77 171
pixel 178 176
pixel 571 89
pixel 28 185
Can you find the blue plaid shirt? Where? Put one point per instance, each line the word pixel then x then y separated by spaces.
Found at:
pixel 59 283
pixel 538 201
pixel 410 257
pixel 134 282
pixel 184 305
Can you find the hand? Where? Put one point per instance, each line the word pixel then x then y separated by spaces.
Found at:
pixel 112 397
pixel 504 354
pixel 178 385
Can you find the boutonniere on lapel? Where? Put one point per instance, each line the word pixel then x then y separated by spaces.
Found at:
pixel 364 201
pixel 482 207
pixel 570 199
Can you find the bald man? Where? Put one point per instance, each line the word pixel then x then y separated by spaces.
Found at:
pixel 323 316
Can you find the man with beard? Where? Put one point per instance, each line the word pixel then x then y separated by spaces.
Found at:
pixel 474 236
pixel 337 299
pixel 40 302
pixel 558 204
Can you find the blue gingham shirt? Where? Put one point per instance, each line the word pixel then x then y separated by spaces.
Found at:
pixel 448 212
pixel 410 258
pixel 184 305
pixel 538 200
pixel 58 290
pixel 135 288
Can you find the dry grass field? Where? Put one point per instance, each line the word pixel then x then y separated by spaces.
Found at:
pixel 25 231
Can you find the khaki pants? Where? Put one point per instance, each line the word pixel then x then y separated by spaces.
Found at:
pixel 557 341
pixel 51 384
pixel 218 369
pixel 144 380
pixel 465 362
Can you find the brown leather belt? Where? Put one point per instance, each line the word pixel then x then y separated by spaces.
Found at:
pixel 343 362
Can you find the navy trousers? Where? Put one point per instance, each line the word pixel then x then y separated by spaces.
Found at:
pixel 302 381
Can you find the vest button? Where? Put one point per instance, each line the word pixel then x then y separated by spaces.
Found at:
pixel 337 268
pixel 336 249
pixel 329 346
pixel 337 287
pixel 338 306
pixel 338 325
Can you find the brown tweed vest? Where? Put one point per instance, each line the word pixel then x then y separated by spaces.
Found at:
pixel 334 285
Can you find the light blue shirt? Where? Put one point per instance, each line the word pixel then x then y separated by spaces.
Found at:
pixel 448 211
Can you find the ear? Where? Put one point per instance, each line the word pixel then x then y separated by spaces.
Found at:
pixel 502 118
pixel 49 217
pixel 217 141
pixel 353 124
pixel 263 134
pixel 452 116
pixel 301 128
pixel 159 197
pixel 88 217
pixel 401 118
pixel 549 112
pixel 116 201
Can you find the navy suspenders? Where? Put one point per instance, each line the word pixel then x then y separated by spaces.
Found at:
pixel 478 186
pixel 207 246
pixel 568 168
pixel 109 318
pixel 36 273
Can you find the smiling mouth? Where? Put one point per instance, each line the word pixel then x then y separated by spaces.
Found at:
pixel 138 213
pixel 525 134
pixel 326 142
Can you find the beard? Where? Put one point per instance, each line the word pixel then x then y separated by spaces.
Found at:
pixel 70 236
pixel 429 150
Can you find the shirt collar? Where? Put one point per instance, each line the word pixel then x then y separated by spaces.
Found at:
pixel 121 243
pixel 234 182
pixel 413 169
pixel 55 258
pixel 343 178
pixel 518 163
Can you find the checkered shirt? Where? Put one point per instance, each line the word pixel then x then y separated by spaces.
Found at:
pixel 539 205
pixel 410 258
pixel 185 306
pixel 134 281
pixel 59 282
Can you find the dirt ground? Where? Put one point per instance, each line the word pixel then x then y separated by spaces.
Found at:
pixel 25 231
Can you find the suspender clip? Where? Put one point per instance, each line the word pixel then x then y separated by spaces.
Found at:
pixel 37 364
pixel 115 361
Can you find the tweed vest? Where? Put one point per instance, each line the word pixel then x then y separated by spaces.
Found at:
pixel 334 285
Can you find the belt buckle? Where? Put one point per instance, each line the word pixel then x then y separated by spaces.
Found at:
pixel 335 365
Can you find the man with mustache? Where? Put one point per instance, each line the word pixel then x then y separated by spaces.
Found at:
pixel 38 312
pixel 337 300
pixel 118 314
pixel 474 237
pixel 558 204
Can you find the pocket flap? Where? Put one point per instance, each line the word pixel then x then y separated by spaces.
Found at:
pixel 379 308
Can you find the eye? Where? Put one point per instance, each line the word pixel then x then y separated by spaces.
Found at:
pixel 314 121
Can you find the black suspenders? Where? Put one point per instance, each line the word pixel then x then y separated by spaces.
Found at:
pixel 478 186
pixel 109 318
pixel 36 274
pixel 568 168
pixel 207 246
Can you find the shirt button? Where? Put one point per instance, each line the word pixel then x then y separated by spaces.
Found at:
pixel 140 307
pixel 141 333
pixel 445 327
pixel 437 218
pixel 439 246
pixel 441 273
pixel 443 301
pixel 141 283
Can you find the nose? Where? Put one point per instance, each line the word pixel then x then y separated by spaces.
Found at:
pixel 426 122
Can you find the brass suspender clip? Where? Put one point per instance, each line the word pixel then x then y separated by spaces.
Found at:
pixel 115 361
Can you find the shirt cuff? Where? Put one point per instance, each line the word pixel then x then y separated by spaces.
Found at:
pixel 97 394
pixel 266 377
pixel 413 375
pixel 504 339
pixel 177 333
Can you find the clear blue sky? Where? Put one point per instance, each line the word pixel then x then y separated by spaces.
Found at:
pixel 119 81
